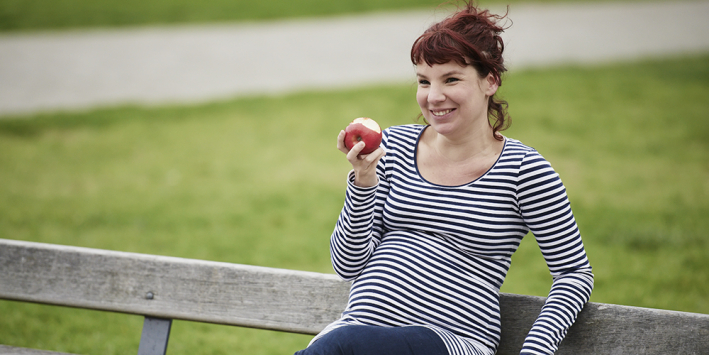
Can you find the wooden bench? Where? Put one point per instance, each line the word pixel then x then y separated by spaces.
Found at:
pixel 166 288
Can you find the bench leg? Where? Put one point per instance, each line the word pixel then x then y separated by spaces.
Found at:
pixel 153 340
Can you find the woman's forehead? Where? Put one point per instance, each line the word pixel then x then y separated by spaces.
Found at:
pixel 449 68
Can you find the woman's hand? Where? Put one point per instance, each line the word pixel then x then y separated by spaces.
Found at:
pixel 365 166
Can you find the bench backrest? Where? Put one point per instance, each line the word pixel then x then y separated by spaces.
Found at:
pixel 163 287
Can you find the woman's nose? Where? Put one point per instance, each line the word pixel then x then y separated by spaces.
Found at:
pixel 435 94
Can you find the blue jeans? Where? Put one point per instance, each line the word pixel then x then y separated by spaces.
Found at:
pixel 373 340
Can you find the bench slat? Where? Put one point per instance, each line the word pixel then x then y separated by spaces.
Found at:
pixel 294 301
pixel 609 329
pixel 170 288
pixel 10 350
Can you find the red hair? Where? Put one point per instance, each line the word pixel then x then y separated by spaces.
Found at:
pixel 469 37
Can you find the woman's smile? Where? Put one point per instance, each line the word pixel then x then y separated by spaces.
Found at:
pixel 441 113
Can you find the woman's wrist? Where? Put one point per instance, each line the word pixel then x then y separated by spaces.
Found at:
pixel 365 180
pixel 358 185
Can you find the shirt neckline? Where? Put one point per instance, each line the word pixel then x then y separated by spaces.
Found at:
pixel 418 172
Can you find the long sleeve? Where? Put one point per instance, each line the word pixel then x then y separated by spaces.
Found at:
pixel 547 212
pixel 359 228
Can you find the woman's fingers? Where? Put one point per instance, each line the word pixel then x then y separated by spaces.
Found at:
pixel 377 154
pixel 353 154
pixel 373 158
pixel 367 161
pixel 341 142
pixel 364 165
pixel 365 168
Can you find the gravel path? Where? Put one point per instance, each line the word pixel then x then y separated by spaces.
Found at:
pixel 80 69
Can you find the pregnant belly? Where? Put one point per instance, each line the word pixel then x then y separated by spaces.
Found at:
pixel 411 280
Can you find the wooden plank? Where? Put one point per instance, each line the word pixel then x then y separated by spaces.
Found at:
pixel 170 288
pixel 295 301
pixel 613 329
pixel 609 329
pixel 10 350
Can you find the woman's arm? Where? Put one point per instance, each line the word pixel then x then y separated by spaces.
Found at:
pixel 546 210
pixel 359 227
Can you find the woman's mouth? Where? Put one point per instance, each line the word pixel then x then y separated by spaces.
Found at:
pixel 439 113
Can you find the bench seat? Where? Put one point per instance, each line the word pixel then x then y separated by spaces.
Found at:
pixel 10 350
pixel 164 288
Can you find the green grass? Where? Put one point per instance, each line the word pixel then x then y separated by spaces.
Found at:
pixel 631 143
pixel 23 15
pixel 259 181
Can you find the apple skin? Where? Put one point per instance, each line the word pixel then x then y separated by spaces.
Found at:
pixel 363 129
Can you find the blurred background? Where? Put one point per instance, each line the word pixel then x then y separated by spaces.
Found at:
pixel 207 130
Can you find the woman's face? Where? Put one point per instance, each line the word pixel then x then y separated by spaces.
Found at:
pixel 453 98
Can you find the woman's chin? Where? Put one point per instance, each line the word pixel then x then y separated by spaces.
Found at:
pixel 442 126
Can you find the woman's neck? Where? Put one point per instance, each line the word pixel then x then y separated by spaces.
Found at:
pixel 464 146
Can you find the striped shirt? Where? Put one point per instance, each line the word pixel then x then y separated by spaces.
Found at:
pixel 436 256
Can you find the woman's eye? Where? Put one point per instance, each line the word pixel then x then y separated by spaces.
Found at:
pixel 451 80
pixel 423 82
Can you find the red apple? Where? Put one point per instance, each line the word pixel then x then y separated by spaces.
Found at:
pixel 363 129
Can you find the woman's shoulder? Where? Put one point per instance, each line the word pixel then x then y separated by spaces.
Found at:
pixel 407 134
pixel 522 156
pixel 406 129
pixel 526 159
pixel 514 145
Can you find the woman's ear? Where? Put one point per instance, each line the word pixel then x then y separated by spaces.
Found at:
pixel 492 86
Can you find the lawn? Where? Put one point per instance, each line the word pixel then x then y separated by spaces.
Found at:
pixel 28 15
pixel 259 181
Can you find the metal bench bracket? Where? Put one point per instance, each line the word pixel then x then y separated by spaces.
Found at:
pixel 156 333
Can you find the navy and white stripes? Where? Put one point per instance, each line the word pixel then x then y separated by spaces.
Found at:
pixel 432 255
